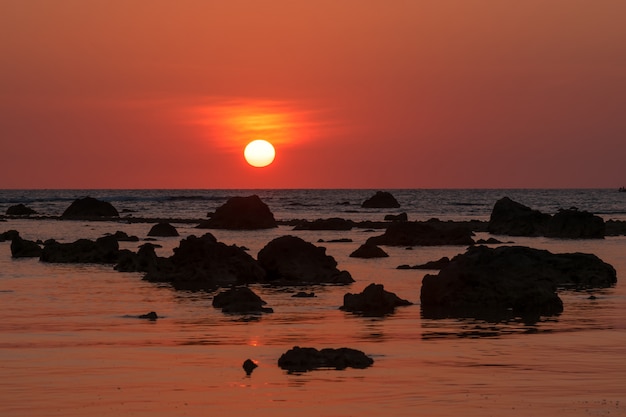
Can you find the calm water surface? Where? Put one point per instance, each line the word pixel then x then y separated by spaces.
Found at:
pixel 70 345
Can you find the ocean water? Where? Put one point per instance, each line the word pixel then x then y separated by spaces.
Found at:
pixel 70 344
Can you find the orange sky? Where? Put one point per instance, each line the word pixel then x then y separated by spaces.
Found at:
pixel 353 93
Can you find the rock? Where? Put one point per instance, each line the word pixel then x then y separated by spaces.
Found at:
pixel 240 300
pixel 8 235
pixel 368 250
pixel 22 248
pixel 574 224
pixel 249 366
pixel 145 260
pixel 290 260
pixel 402 217
pixel 124 237
pixel 489 241
pixel 373 301
pixel 511 218
pixel 302 294
pixel 203 263
pixel 104 250
pixel 615 228
pixel 163 230
pixel 305 359
pixel 438 264
pixel 20 210
pixel 333 223
pixel 509 281
pixel 149 316
pixel 89 208
pixel 382 199
pixel 241 213
pixel 430 233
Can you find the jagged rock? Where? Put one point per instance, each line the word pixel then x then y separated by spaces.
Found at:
pixel 240 300
pixel 8 235
pixel 574 224
pixel 430 233
pixel 367 250
pixel 163 230
pixel 89 208
pixel 305 359
pixel 373 301
pixel 20 210
pixel 402 217
pixel 22 248
pixel 382 199
pixel 511 218
pixel 103 250
pixel 333 223
pixel 292 261
pixel 241 213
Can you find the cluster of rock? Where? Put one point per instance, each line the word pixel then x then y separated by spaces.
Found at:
pixel 302 359
pixel 511 218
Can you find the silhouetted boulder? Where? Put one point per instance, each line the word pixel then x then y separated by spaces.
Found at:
pixel 89 208
pixel 240 300
pixel 241 213
pixel 145 260
pixel 20 210
pixel 430 233
pixel 249 366
pixel 8 235
pixel 574 224
pixel 367 250
pixel 333 223
pixel 382 199
pixel 373 301
pixel 103 250
pixel 22 248
pixel 290 260
pixel 305 359
pixel 163 230
pixel 511 218
pixel 402 217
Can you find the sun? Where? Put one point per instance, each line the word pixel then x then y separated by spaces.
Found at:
pixel 259 153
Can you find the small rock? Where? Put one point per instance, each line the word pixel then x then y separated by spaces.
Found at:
pixel 249 366
pixel 163 230
pixel 149 316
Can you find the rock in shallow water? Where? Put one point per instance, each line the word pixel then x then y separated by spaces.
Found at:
pixel 305 359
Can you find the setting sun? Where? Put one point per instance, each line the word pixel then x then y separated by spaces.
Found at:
pixel 259 153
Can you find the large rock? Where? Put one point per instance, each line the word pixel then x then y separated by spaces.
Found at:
pixel 203 263
pixel 103 250
pixel 367 251
pixel 382 199
pixel 509 281
pixel 574 224
pixel 20 210
pixel 373 301
pixel 240 300
pixel 430 233
pixel 292 261
pixel 22 248
pixel 163 230
pixel 89 208
pixel 511 218
pixel 305 359
pixel 241 213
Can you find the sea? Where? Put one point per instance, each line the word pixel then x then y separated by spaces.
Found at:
pixel 71 342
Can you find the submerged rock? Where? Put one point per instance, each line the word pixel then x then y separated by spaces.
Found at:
pixel 241 213
pixel 124 237
pixel 89 208
pixel 430 233
pixel 290 260
pixel 438 264
pixel 367 250
pixel 240 300
pixel 152 316
pixel 305 359
pixel 382 199
pixel 103 250
pixel 373 301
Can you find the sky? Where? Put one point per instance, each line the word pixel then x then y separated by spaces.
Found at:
pixel 370 94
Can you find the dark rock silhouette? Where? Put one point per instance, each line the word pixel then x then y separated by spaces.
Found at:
pixel 430 233
pixel 22 248
pixel 20 210
pixel 249 366
pixel 488 241
pixel 333 223
pixel 163 230
pixel 290 260
pixel 241 213
pixel 124 237
pixel 402 217
pixel 240 300
pixel 373 301
pixel 382 199
pixel 574 224
pixel 615 228
pixel 145 260
pixel 9 235
pixel 89 208
pixel 367 250
pixel 103 250
pixel 305 359
pixel 302 294
pixel 149 316
pixel 509 281
pixel 438 264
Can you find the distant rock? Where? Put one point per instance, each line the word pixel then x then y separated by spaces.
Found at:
pixel 145 260
pixel 373 301
pixel 333 223
pixel 511 218
pixel 305 359
pixel 438 264
pixel 241 213
pixel 20 210
pixel 240 300
pixel 89 208
pixel 302 294
pixel 430 233
pixel 8 235
pixel 104 250
pixel 163 230
pixel 22 248
pixel 382 199
pixel 124 237
pixel 402 217
pixel 574 224
pixel 152 316
pixel 488 241
pixel 289 260
pixel 367 250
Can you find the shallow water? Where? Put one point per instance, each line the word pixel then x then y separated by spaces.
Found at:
pixel 71 345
